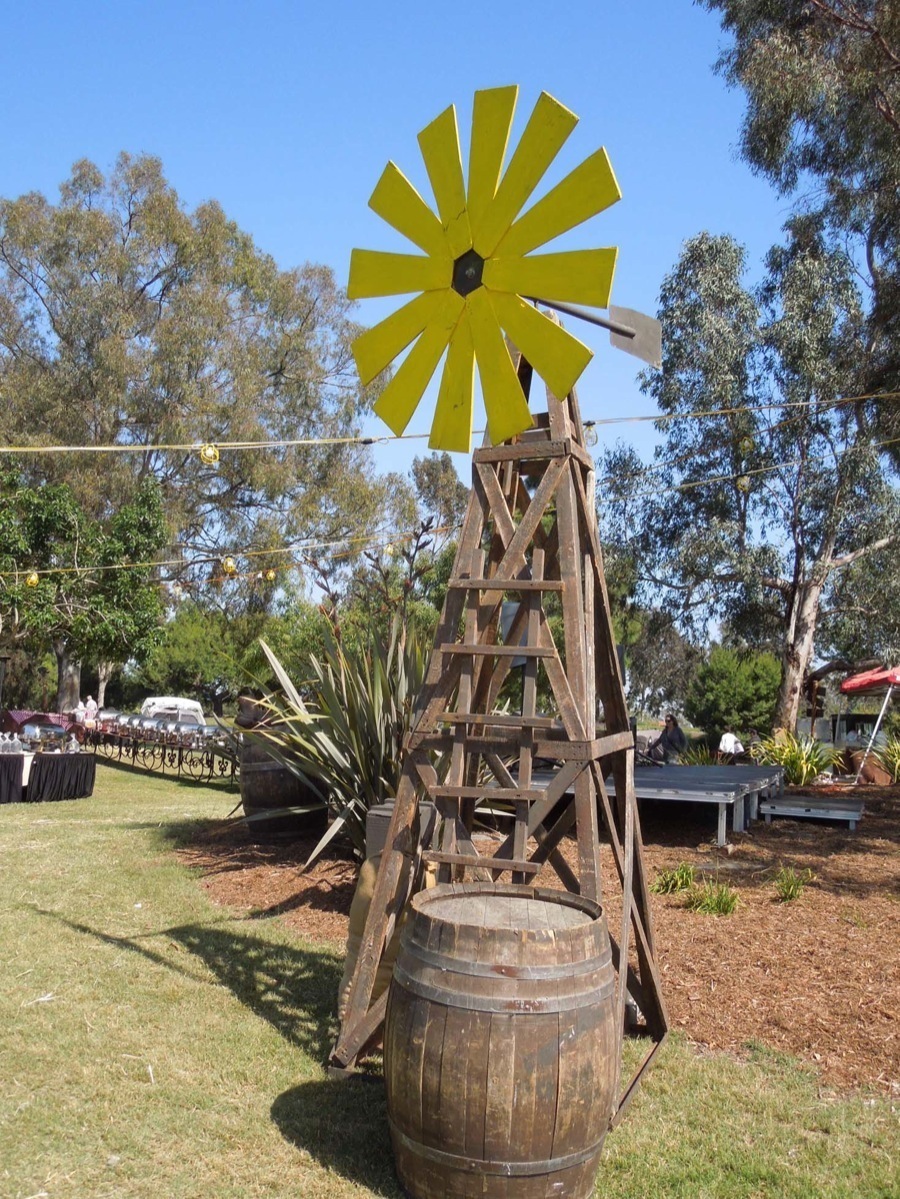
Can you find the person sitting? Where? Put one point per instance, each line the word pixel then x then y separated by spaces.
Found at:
pixel 670 743
pixel 729 748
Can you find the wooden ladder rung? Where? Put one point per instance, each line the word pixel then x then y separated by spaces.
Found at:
pixel 527 794
pixel 501 719
pixel 500 651
pixel 516 865
pixel 507 584
pixel 518 452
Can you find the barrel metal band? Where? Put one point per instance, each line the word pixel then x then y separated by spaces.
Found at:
pixel 441 961
pixel 493 1003
pixel 474 1165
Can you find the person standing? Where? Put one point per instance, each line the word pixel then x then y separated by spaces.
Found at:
pixel 729 747
pixel 90 710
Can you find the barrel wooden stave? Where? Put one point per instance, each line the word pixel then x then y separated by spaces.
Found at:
pixel 487 1102
pixel 267 786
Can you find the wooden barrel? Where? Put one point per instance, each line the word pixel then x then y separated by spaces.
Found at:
pixel 267 787
pixel 500 1043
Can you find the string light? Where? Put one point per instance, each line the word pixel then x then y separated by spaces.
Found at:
pixel 229 566
pixel 742 483
pixel 358 439
pixel 209 454
pixel 745 445
pixel 271 575
pixel 31 579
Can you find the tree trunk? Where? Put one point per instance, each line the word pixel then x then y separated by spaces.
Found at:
pixel 68 685
pixel 105 671
pixel 797 652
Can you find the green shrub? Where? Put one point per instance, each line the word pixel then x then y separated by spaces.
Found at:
pixel 734 690
pixel 888 758
pixel 346 738
pixel 698 753
pixel 668 882
pixel 803 758
pixel 789 883
pixel 713 899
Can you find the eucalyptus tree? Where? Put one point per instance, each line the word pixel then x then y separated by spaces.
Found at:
pixel 127 320
pixel 766 485
pixel 822 79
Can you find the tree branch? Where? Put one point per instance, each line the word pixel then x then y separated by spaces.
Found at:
pixel 845 559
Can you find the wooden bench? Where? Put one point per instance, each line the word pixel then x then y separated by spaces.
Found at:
pixel 809 807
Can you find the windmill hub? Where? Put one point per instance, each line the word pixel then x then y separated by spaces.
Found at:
pixel 467 272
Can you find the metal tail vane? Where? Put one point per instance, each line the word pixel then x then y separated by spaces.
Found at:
pixel 478 270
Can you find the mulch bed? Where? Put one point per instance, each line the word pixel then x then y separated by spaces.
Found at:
pixel 818 977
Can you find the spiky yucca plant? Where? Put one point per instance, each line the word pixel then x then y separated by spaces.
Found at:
pixel 888 757
pixel 698 753
pixel 345 738
pixel 803 758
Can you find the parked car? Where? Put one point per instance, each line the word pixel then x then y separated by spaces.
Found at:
pixel 173 707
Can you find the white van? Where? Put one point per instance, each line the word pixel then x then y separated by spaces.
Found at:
pixel 173 707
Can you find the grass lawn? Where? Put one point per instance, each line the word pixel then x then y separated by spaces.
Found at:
pixel 156 1045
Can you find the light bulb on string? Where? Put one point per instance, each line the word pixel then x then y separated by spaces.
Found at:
pixel 743 483
pixel 31 579
pixel 229 567
pixel 590 435
pixel 209 454
pixel 745 445
pixel 271 575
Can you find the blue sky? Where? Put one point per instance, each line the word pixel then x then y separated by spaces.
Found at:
pixel 286 113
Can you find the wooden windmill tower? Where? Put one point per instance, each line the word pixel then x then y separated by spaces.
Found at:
pixel 529 549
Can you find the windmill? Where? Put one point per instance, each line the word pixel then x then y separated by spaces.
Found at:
pixel 529 537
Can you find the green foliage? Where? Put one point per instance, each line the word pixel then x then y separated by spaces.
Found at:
pixel 789 883
pixel 97 596
pixel 126 318
pixel 201 653
pixel 341 730
pixel 712 899
pixel 670 882
pixel 698 753
pixel 803 758
pixel 888 757
pixel 734 690
pixel 660 662
pixel 716 530
pixel 823 94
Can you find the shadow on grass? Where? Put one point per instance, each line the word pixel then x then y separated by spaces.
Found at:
pixel 293 989
pixel 343 1125
pixel 227 785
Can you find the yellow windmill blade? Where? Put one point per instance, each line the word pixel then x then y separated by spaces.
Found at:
pixel 492 116
pixel 379 346
pixel 504 401
pixel 585 276
pixel 397 202
pixel 557 356
pixel 439 143
pixel 478 270
pixel 546 132
pixel 374 273
pixel 588 190
pixel 398 401
pixel 451 428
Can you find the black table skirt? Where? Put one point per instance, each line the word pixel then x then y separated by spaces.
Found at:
pixel 11 777
pixel 61 776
